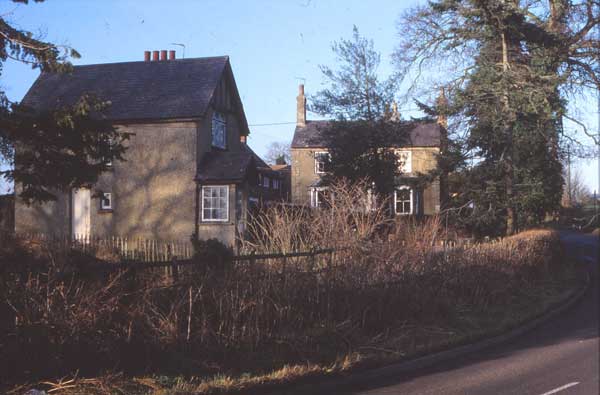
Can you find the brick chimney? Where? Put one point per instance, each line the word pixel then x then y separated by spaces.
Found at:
pixel 171 55
pixel 301 107
pixel 154 56
pixel 163 54
pixel 146 56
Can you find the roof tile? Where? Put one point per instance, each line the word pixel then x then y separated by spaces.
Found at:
pixel 169 89
pixel 421 134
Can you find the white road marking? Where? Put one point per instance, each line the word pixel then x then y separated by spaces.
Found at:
pixel 564 387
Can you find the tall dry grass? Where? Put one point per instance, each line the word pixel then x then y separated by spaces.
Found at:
pixel 390 275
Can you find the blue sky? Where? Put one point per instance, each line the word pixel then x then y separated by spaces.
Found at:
pixel 273 45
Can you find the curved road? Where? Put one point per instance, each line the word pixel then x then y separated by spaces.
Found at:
pixel 562 356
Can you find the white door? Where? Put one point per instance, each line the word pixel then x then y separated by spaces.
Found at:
pixel 81 212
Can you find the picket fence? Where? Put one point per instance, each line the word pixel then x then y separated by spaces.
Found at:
pixel 166 253
pixel 127 249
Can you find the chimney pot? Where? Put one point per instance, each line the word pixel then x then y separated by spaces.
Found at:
pixel 146 56
pixel 301 107
pixel 163 54
pixel 154 55
pixel 171 55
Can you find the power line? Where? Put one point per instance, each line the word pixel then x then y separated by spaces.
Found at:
pixel 293 122
pixel 273 124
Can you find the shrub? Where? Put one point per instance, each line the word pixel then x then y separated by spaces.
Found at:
pixel 388 276
pixel 211 253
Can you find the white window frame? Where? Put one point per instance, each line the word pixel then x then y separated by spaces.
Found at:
pixel 219 122
pixel 106 196
pixel 275 183
pixel 226 219
pixel 266 182
pixel 317 153
pixel 411 193
pixel 314 196
pixel 406 166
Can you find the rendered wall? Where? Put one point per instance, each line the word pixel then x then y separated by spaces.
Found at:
pixel 303 174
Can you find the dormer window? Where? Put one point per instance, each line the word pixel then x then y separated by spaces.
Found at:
pixel 219 130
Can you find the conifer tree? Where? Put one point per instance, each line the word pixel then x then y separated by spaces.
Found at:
pixel 510 67
pixel 358 101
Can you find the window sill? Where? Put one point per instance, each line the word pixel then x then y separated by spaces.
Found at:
pixel 105 211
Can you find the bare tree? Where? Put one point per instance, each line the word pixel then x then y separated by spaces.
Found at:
pixel 277 151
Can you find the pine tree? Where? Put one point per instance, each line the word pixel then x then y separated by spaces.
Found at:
pixel 358 101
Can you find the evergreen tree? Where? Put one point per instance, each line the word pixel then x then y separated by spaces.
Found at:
pixel 65 148
pixel 358 102
pixel 511 66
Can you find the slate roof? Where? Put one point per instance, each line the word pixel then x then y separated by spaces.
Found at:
pixel 257 159
pixel 180 88
pixel 421 134
pixel 225 166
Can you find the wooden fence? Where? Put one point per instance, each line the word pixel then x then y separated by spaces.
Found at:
pixel 119 248
pixel 149 253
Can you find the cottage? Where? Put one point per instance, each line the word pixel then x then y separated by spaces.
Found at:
pixel 187 170
pixel 418 156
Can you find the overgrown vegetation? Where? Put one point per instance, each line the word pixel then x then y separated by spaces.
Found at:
pixel 390 291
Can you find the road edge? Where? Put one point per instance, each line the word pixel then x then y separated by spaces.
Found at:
pixel 368 376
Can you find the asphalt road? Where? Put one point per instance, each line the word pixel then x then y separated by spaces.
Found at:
pixel 562 356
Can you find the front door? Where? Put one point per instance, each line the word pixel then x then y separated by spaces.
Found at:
pixel 80 223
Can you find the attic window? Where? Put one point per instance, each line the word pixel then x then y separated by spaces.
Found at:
pixel 219 129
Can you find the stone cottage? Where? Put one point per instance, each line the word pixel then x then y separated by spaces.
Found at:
pixel 417 157
pixel 188 168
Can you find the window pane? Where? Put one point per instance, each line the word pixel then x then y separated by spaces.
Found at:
pixel 404 194
pixel 218 130
pixel 215 203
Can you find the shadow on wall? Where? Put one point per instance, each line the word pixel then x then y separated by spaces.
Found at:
pixel 154 190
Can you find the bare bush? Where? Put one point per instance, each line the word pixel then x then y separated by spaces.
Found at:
pixel 387 275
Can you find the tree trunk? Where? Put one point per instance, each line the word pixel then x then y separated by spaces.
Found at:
pixel 509 172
